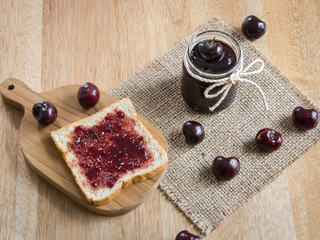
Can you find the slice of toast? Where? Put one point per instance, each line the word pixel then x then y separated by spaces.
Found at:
pixel 109 150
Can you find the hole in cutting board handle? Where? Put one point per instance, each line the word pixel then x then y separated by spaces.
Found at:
pixel 11 87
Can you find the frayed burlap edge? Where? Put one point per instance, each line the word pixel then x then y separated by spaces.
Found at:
pixel 206 227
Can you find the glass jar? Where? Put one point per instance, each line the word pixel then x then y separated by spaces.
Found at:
pixel 194 73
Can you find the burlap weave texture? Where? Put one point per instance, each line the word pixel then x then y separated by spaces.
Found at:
pixel 189 182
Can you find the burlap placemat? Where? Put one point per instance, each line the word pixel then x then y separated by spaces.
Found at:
pixel 189 182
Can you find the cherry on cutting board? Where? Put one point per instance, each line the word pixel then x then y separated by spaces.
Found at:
pixel 269 139
pixel 210 50
pixel 225 168
pixel 185 235
pixel 44 112
pixel 253 27
pixel 193 132
pixel 88 95
pixel 305 119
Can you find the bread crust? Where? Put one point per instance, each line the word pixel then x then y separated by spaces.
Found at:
pixel 124 183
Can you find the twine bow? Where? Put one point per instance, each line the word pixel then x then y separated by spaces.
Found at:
pixel 235 77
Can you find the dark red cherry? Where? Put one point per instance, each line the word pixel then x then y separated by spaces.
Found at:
pixel 193 132
pixel 269 139
pixel 88 95
pixel 225 168
pixel 253 28
pixel 305 119
pixel 44 112
pixel 210 50
pixel 185 235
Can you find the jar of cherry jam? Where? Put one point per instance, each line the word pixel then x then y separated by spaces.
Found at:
pixel 211 55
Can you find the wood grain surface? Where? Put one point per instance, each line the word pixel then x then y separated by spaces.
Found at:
pixel 48 44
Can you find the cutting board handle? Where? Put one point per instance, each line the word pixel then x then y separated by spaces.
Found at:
pixel 17 94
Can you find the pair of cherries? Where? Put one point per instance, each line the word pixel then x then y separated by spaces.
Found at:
pixel 46 113
pixel 267 139
pixel 222 168
pixel 304 119
pixel 212 50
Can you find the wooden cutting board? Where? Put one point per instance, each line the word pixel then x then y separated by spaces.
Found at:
pixel 43 156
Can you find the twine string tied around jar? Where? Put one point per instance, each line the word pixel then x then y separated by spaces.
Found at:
pixel 237 76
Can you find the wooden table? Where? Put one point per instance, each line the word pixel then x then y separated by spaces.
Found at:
pixel 53 43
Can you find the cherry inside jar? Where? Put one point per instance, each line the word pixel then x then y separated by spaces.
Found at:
pixel 211 55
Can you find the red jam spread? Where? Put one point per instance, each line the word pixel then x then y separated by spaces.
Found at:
pixel 109 149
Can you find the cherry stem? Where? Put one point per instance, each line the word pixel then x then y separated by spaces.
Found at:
pixel 214 228
pixel 212 41
pixel 265 15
